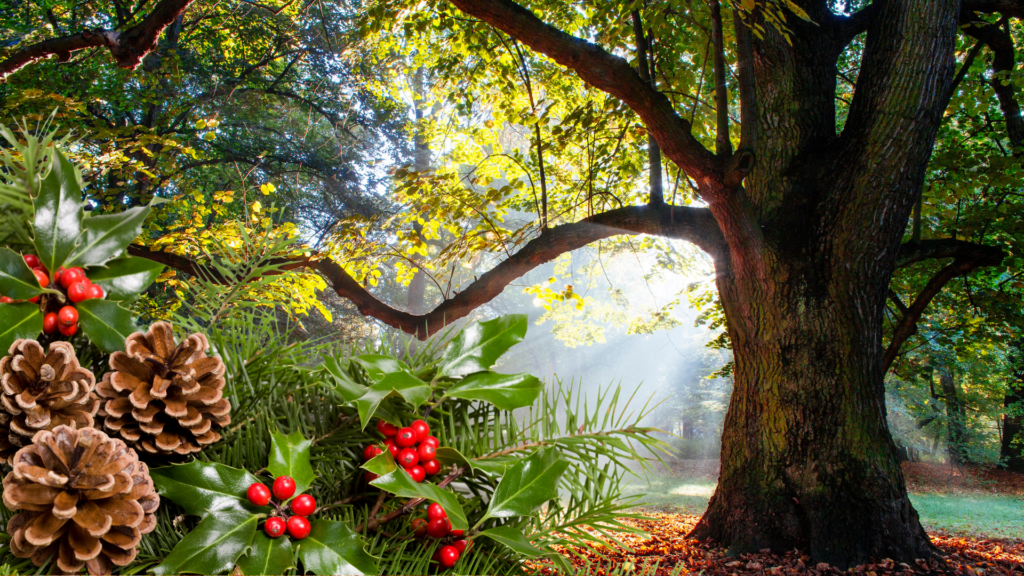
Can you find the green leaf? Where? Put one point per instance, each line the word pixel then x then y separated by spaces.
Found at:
pixel 478 346
pixel 267 556
pixel 204 487
pixel 513 539
pixel 381 464
pixel 496 465
pixel 17 280
pixel 402 383
pixel 125 278
pixel 377 365
pixel 289 456
pixel 107 236
pixel 18 321
pixel 450 456
pixel 345 387
pixel 527 485
pixel 334 548
pixel 105 323
pixel 505 391
pixel 213 546
pixel 401 484
pixel 58 208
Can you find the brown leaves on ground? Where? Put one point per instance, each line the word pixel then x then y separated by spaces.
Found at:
pixel 666 544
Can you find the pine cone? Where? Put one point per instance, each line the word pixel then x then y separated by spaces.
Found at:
pixel 86 500
pixel 42 391
pixel 162 397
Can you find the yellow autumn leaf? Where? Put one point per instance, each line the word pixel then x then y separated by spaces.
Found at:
pixel 267 188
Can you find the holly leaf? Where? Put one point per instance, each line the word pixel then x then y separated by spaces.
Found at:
pixel 513 539
pixel 289 456
pixel 107 236
pixel 204 487
pixel 526 486
pixel 505 391
pixel 58 208
pixel 17 280
pixel 478 346
pixel 450 456
pixel 495 466
pixel 402 485
pixel 402 383
pixel 334 548
pixel 18 321
pixel 125 278
pixel 381 464
pixel 105 323
pixel 213 546
pixel 345 387
pixel 267 556
pixel 377 365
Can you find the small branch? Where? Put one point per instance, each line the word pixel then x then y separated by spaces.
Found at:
pixel 962 72
pixel 748 84
pixel 128 47
pixel 377 521
pixel 646 69
pixel 723 146
pixel 997 37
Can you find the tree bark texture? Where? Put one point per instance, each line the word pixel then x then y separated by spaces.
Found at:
pixel 956 418
pixel 1011 453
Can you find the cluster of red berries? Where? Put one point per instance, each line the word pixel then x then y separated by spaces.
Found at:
pixel 302 506
pixel 412 447
pixel 76 287
pixel 437 525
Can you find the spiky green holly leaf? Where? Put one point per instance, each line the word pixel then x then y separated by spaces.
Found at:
pixel 402 383
pixel 478 346
pixel 107 235
pixel 267 556
pixel 204 487
pixel 513 539
pixel 334 548
pixel 105 323
pixel 213 546
pixel 17 280
pixel 123 279
pixel 401 484
pixel 505 391
pixel 289 456
pixel 345 387
pixel 526 486
pixel 58 214
pixel 18 321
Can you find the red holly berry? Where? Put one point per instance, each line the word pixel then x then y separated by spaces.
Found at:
pixel 303 505
pixel 459 545
pixel 57 275
pixel 408 458
pixel 78 291
pixel 419 527
pixel 258 494
pixel 274 527
pixel 71 276
pixel 405 437
pixel 67 316
pixel 34 299
pixel 427 451
pixel 431 467
pixel 387 429
pixel 298 527
pixel 421 429
pixel 456 533
pixel 371 452
pixel 50 323
pixel 448 556
pixel 69 331
pixel 284 487
pixel 370 477
pixel 41 276
pixel 438 527
pixel 94 292
pixel 32 260
pixel 6 300
pixel 435 511
pixel 417 473
pixel 432 440
pixel 392 447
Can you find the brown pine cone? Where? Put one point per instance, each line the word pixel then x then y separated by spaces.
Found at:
pixel 86 500
pixel 42 391
pixel 165 398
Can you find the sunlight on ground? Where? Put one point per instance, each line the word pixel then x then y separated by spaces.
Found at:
pixel 704 490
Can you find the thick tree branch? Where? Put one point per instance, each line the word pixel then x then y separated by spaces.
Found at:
pixel 967 258
pixel 997 38
pixel 128 47
pixel 646 67
pixel 1011 8
pixel 611 74
pixel 747 83
pixel 913 252
pixel 685 223
pixel 723 146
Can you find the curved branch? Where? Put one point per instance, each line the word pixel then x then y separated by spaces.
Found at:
pixel 1011 8
pixel 998 39
pixel 970 257
pixel 609 73
pixel 695 225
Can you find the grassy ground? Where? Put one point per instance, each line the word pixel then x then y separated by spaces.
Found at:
pixel 978 512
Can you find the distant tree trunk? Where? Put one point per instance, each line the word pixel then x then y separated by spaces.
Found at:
pixel 956 428
pixel 1011 453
